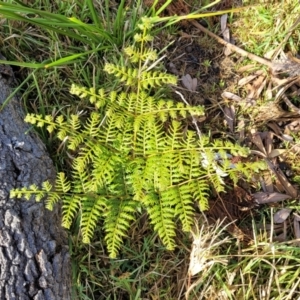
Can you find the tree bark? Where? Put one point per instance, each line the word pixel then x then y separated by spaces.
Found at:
pixel 34 258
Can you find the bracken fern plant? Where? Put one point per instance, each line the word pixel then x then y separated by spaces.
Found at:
pixel 134 152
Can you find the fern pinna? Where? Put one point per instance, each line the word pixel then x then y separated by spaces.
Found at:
pixel 133 153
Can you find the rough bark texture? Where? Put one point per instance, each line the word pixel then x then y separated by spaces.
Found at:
pixel 34 258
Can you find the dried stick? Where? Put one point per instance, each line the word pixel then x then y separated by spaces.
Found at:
pixel 290 66
pixel 234 48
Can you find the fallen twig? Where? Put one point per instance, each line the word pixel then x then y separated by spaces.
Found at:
pixel 289 66
pixel 234 48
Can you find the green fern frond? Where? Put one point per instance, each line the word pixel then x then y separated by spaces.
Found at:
pixel 175 137
pixel 86 156
pixel 136 178
pixel 74 141
pixel 70 208
pixel 119 216
pixel 99 99
pixel 146 24
pixel 82 92
pixel 140 38
pixel 52 199
pixel 127 75
pixel 146 79
pixel 37 120
pixel 93 207
pixel 181 198
pixel 135 55
pixel 62 184
pixel 82 181
pixel 112 131
pixel 75 122
pixel 47 186
pixel 113 109
pixel 27 193
pixel 161 214
pixel 157 170
pixel 148 138
pixel 152 79
pixel 60 121
pixel 105 168
pixel 200 191
pixel 62 134
pixel 91 126
pixel 135 152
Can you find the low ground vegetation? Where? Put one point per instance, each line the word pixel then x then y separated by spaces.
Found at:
pixel 239 115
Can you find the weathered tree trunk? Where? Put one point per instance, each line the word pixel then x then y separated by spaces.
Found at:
pixel 34 258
